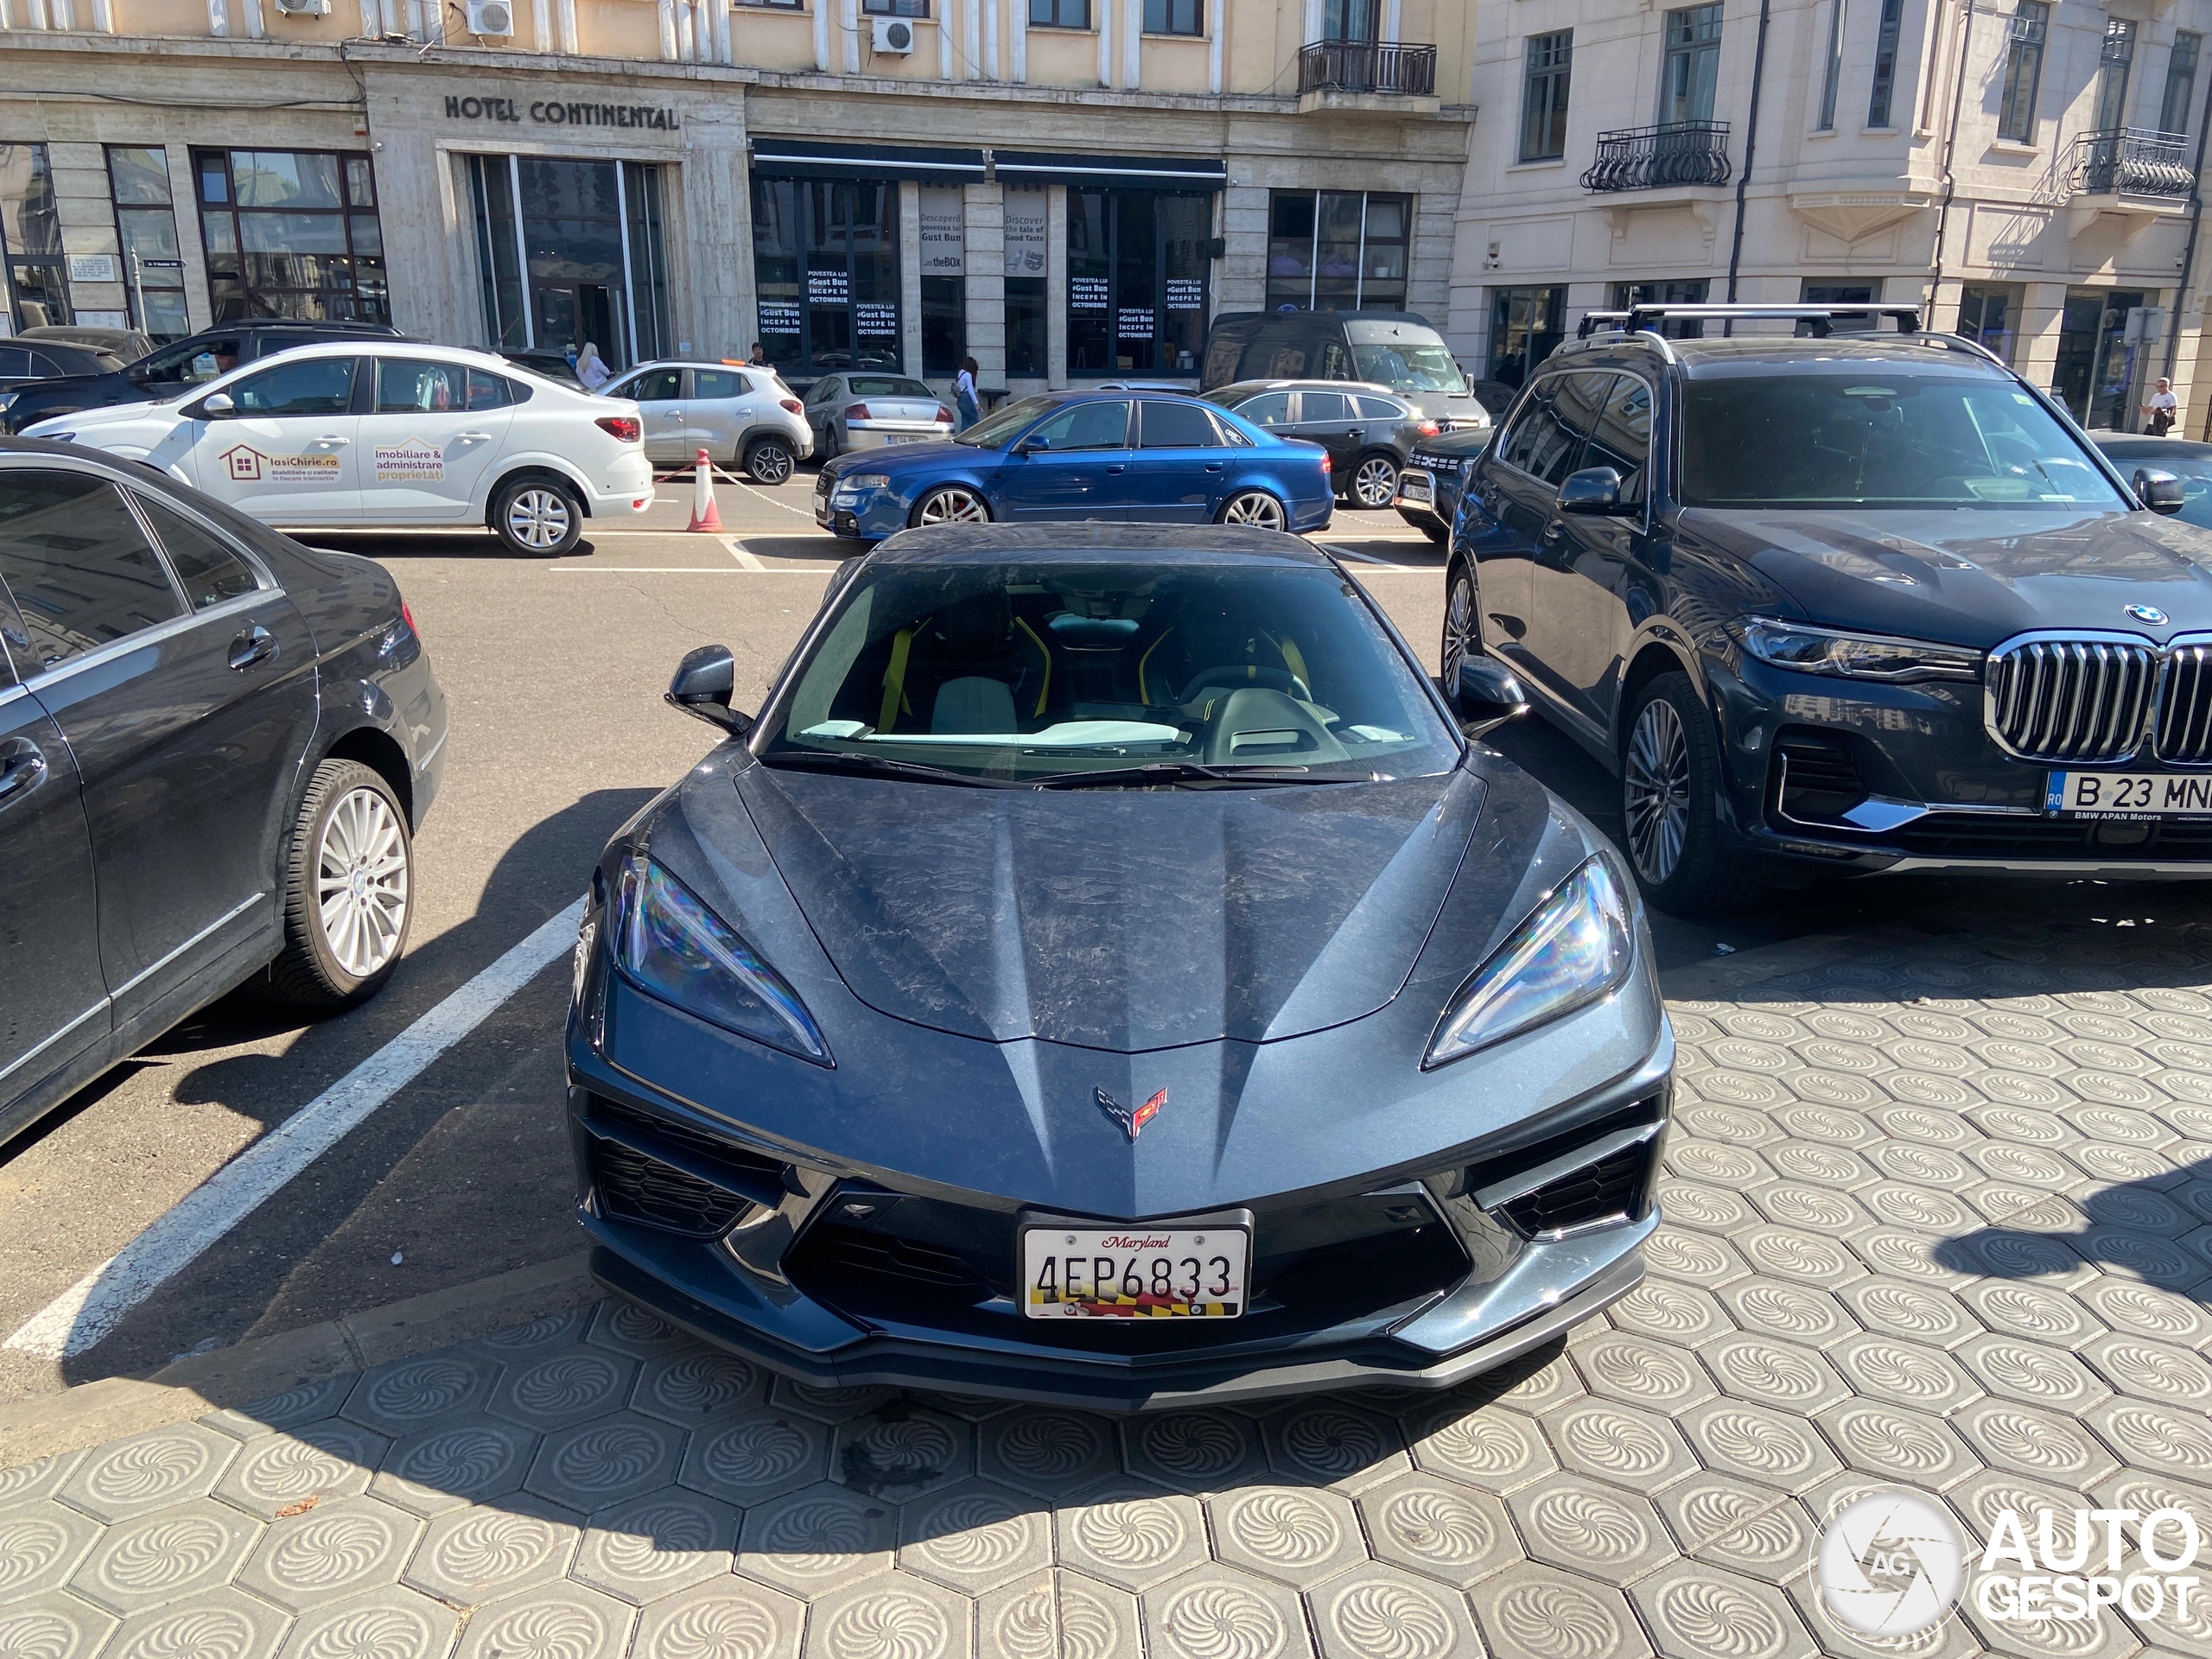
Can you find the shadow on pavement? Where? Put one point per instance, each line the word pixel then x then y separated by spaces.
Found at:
pixel 2134 1228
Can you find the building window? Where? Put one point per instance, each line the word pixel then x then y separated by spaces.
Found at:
pixel 1027 242
pixel 291 233
pixel 1337 249
pixel 1137 277
pixel 145 229
pixel 1059 13
pixel 896 8
pixel 583 261
pixel 1524 328
pixel 1682 293
pixel 1832 81
pixel 825 260
pixel 1543 96
pixel 1173 17
pixel 1989 315
pixel 2016 106
pixel 32 222
pixel 944 324
pixel 2114 62
pixel 1840 294
pixel 1692 69
pixel 1885 64
pixel 1348 19
pixel 2181 83
pixel 776 5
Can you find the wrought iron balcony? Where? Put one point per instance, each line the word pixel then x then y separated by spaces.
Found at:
pixel 1654 158
pixel 1387 67
pixel 2132 161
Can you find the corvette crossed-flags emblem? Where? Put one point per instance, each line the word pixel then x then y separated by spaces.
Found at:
pixel 1132 1123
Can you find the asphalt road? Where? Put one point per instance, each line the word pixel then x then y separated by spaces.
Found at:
pixel 555 670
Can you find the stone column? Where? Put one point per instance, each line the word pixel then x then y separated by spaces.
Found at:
pixel 983 213
pixel 1242 285
pixel 1056 285
pixel 85 215
pixel 2035 340
pixel 910 279
pixel 184 202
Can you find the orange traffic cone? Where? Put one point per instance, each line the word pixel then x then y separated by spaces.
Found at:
pixel 703 515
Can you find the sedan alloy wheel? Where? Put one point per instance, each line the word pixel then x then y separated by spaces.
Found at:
pixel 953 505
pixel 361 882
pixel 1374 482
pixel 1656 790
pixel 538 519
pixel 1459 641
pixel 1254 508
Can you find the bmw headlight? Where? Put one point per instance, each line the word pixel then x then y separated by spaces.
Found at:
pixel 1574 948
pixel 671 945
pixel 1852 656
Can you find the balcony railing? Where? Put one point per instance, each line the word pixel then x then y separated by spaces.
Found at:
pixel 1390 66
pixel 1654 158
pixel 2133 161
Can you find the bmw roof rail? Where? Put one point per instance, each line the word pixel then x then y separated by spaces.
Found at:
pixel 1822 318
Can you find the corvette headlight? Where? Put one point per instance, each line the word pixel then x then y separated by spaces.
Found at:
pixel 1574 948
pixel 1852 656
pixel 671 945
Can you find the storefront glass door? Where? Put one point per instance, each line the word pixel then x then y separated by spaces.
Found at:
pixel 1138 269
pixel 2097 364
pixel 825 257
pixel 570 254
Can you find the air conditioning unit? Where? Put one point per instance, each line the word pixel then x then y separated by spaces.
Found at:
pixel 893 34
pixel 303 8
pixel 492 17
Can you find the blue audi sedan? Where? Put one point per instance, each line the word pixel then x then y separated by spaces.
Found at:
pixel 1146 460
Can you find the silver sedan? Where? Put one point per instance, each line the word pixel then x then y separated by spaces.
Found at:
pixel 860 410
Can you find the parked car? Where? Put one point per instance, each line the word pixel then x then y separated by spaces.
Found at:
pixel 215 748
pixel 1428 485
pixel 373 431
pixel 125 345
pixel 1102 974
pixel 174 370
pixel 1495 396
pixel 873 411
pixel 743 417
pixel 1396 350
pixel 1850 604
pixel 552 365
pixel 1060 455
pixel 2189 461
pixel 25 363
pixel 1367 431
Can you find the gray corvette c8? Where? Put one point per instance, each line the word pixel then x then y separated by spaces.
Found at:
pixel 1104 973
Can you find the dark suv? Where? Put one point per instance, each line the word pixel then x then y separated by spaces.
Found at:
pixel 1854 603
pixel 173 370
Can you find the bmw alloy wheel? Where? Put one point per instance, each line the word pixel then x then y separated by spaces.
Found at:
pixel 1376 482
pixel 1254 508
pixel 537 519
pixel 1459 627
pixel 361 882
pixel 1656 790
pixel 953 506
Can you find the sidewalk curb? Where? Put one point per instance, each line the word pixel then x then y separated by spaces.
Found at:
pixel 253 1370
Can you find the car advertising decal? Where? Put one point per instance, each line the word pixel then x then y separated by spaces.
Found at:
pixel 243 464
pixel 412 462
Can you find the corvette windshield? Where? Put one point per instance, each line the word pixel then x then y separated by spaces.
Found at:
pixel 1878 434
pixel 1198 673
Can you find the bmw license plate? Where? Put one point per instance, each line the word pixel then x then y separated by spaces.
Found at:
pixel 2129 794
pixel 1194 1272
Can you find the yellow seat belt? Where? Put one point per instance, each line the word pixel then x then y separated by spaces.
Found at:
pixel 1045 652
pixel 894 680
pixel 1143 696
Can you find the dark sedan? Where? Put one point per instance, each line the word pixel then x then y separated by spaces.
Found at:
pixel 1367 430
pixel 1429 483
pixel 2187 461
pixel 215 746
pixel 25 362
pixel 1151 458
pixel 1103 973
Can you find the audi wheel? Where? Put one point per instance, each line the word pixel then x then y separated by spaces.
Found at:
pixel 1256 508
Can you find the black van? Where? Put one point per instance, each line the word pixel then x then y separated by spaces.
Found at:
pixel 1397 349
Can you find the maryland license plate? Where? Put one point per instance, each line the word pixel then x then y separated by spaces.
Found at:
pixel 2129 794
pixel 1135 1273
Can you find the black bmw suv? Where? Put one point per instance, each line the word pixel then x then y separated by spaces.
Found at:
pixel 1854 602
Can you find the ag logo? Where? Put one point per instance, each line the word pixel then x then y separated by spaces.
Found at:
pixel 1889 1565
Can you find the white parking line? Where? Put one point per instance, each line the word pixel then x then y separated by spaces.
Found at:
pixel 88 1310
pixel 737 550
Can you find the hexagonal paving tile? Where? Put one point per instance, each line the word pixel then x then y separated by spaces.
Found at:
pixel 655 1545
pixel 40 1543
pixel 1641 1370
pixel 568 1386
pixel 1896 1444
pixel 1214 1610
pixel 1986 1496
pixel 2032 1373
pixel 553 1618
pixel 2037 1444
pixel 53 1625
pixel 304 1404
pixel 1903 1373
pixel 1734 1523
pixel 1755 1367
pixel 1438 1529
pixel 1637 1449
pixel 1540 1612
pixel 1694 1258
pixel 1375 1610
pixel 895 1614
pixel 25 1482
pixel 752 1457
pixel 320 1460
pixel 602 1462
pixel 1047 1452
pixel 2145 1311
pixel 692 1388
pixel 820 1535
pixel 1298 1535
pixel 629 1329
pixel 1587 1527
pixel 409 1395
pixel 1786 1312
pixel 219 1623
pixel 472 1556
pixel 1060 1612
pixel 1131 1535
pixel 1759 1443
pixel 2155 1436
pixel 1801 1257
pixel 521 1343
pixel 1192 1451
pixel 1694 1611
pixel 392 1623
pixel 332 1552
pixel 1334 1441
pixel 1668 1311
pixel 1708 1209
pixel 1537 1381
pixel 157 1559
pixel 449 1468
pixel 724 1616
pixel 1493 1448
pixel 149 1471
pixel 901 1451
pixel 825 1405
pixel 2162 1372
pixel 2033 1312
pixel 976 1536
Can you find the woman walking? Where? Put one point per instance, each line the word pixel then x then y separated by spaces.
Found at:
pixel 964 399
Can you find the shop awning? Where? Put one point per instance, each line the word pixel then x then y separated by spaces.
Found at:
pixel 1131 172
pixel 801 158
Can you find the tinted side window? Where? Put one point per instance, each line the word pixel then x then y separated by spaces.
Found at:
pixel 418 383
pixel 321 385
pixel 1380 409
pixel 209 571
pixel 489 390
pixel 1535 441
pixel 80 567
pixel 195 361
pixel 1269 408
pixel 15 363
pixel 1176 426
pixel 660 386
pixel 1088 426
pixel 718 383
pixel 1622 437
pixel 43 365
pixel 1322 406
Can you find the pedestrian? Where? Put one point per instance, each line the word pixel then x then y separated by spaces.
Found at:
pixel 759 358
pixel 2159 409
pixel 591 373
pixel 963 393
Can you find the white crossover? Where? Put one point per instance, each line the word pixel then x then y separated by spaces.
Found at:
pixel 390 432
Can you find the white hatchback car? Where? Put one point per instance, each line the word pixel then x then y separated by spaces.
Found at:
pixel 741 415
pixel 390 432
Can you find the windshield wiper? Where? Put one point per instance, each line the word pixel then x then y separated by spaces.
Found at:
pixel 1172 771
pixel 877 765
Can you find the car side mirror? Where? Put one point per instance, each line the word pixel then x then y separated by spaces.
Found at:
pixel 703 681
pixel 216 406
pixel 1486 696
pixel 2159 490
pixel 1594 492
pixel 1032 445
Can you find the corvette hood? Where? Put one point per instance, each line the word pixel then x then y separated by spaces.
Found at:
pixel 1974 576
pixel 1118 919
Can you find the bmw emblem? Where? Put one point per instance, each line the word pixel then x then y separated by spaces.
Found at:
pixel 2146 613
